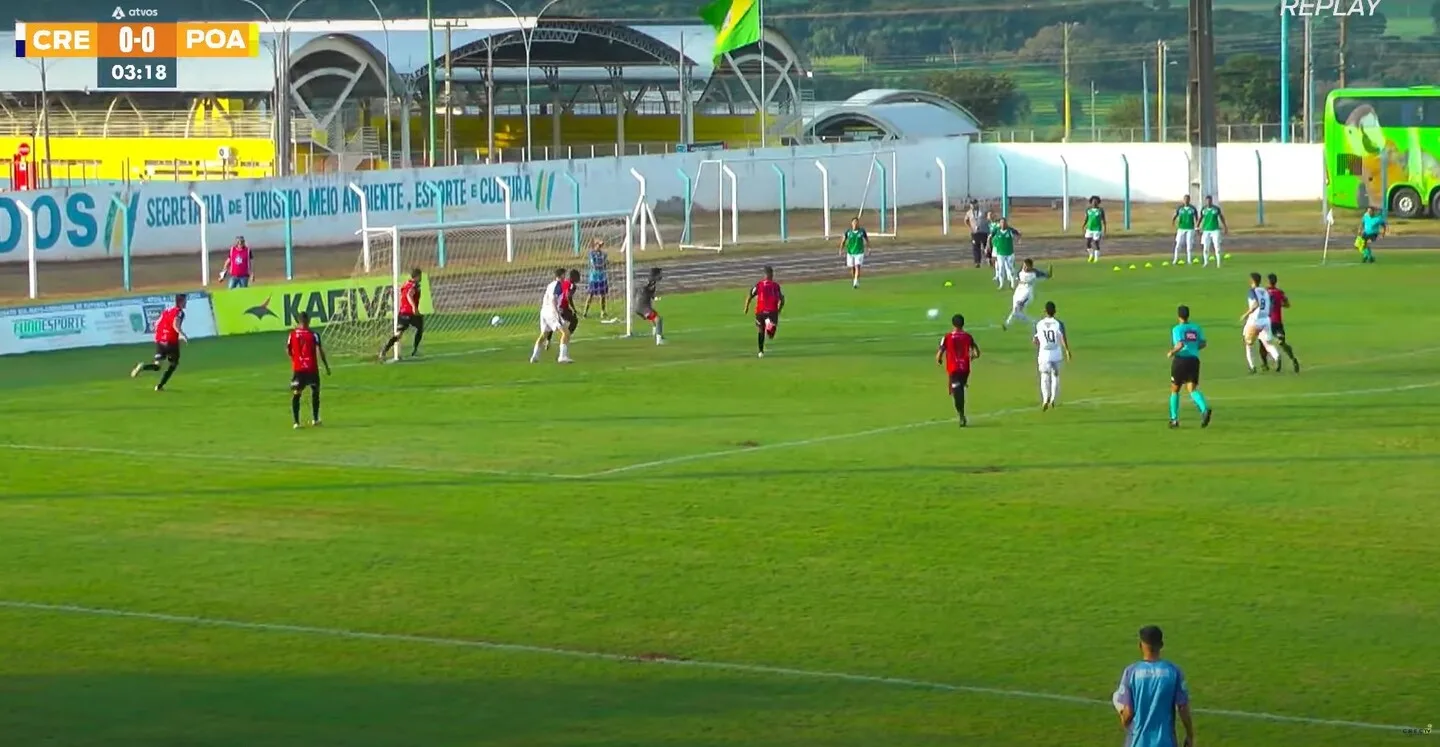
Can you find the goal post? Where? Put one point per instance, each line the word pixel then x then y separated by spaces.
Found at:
pixel 712 209
pixel 487 292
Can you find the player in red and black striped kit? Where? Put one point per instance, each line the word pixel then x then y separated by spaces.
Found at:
pixel 1279 302
pixel 957 349
pixel 409 316
pixel 769 300
pixel 306 356
pixel 168 336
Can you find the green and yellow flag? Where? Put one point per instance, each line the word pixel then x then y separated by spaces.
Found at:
pixel 736 22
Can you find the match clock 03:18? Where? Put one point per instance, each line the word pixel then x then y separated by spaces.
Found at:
pixel 120 73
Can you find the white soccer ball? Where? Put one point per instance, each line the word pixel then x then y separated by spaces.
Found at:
pixel 495 321
pixel 933 313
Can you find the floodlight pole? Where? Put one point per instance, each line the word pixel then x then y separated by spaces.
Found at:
pixel 430 79
pixel 275 81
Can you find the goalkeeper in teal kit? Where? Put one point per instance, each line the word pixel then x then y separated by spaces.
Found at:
pixel 599 285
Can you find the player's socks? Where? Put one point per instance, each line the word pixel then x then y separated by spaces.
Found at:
pixel 1272 352
pixel 165 377
pixel 1250 356
pixel 1199 400
pixel 659 328
pixel 315 406
pixel 760 341
pixel 959 396
pixel 564 356
pixel 1047 388
pixel 1054 388
pixel 145 367
pixel 415 349
pixel 1174 407
pixel 295 408
pixel 535 354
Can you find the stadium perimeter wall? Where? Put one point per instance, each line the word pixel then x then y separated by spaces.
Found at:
pixel 164 218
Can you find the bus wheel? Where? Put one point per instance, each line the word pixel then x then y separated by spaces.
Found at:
pixel 1405 203
pixel 1435 204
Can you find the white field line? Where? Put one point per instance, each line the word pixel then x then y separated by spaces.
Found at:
pixel 370 465
pixel 755 669
pixel 1119 399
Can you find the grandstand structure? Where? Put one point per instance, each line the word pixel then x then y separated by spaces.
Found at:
pixel 354 95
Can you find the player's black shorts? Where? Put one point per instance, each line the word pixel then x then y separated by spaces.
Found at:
pixel 303 379
pixel 1372 237
pixel 410 321
pixel 1277 330
pixel 959 380
pixel 772 318
pixel 167 351
pixel 1184 369
pixel 571 319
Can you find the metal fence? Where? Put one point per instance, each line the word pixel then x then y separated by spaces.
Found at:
pixel 124 121
pixel 1225 133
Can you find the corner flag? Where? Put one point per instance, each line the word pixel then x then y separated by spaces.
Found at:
pixel 1330 217
pixel 736 23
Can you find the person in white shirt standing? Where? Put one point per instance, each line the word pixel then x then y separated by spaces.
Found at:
pixel 1052 348
pixel 1257 322
pixel 1024 293
pixel 552 321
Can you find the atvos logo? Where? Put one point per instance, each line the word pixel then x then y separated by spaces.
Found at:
pixel 261 311
pixel 338 305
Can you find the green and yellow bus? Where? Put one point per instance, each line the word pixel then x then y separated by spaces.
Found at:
pixel 1382 148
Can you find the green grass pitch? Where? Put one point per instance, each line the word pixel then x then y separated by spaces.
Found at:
pixel 833 560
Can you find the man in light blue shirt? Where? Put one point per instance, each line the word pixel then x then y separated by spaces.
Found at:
pixel 1372 227
pixel 1152 691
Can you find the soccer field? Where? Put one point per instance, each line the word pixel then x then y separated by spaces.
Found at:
pixel 687 545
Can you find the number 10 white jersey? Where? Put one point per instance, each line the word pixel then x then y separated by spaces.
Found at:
pixel 1048 334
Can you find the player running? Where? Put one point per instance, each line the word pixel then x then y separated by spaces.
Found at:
pixel 1257 323
pixel 769 301
pixel 1187 340
pixel 1372 227
pixel 599 286
pixel 1024 293
pixel 552 319
pixel 237 264
pixel 169 334
pixel 855 245
pixel 957 349
pixel 306 356
pixel 1095 228
pixel 1002 247
pixel 408 316
pixel 1185 220
pixel 645 305
pixel 1212 228
pixel 1278 303
pixel 1052 348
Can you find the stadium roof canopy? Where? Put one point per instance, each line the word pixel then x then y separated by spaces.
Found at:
pixel 563 50
pixel 891 114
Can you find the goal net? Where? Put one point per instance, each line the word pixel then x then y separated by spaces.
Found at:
pixel 482 281
pixel 808 199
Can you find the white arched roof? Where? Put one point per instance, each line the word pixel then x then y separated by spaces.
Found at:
pixel 904 121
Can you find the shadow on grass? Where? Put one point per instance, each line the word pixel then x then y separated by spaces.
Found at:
pixel 175 710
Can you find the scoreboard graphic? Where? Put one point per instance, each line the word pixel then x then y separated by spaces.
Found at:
pixel 137 48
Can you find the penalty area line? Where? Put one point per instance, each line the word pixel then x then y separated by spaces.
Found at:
pixel 724 666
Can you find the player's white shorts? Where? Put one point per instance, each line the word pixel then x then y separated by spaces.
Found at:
pixel 1211 239
pixel 1092 235
pixel 551 323
pixel 1185 237
pixel 1258 327
pixel 1050 364
pixel 855 260
pixel 1021 300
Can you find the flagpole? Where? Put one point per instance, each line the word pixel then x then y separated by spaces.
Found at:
pixel 760 8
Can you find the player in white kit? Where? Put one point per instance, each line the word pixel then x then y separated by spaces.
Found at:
pixel 1024 292
pixel 552 321
pixel 1257 322
pixel 1052 348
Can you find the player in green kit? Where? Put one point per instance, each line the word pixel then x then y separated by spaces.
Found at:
pixel 1095 228
pixel 1212 227
pixel 1187 341
pixel 1002 248
pixel 1185 219
pixel 854 246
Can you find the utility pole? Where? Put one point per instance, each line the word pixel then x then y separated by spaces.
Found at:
pixel 1309 84
pixel 1065 46
pixel 1162 62
pixel 1284 76
pixel 1342 52
pixel 1094 130
pixel 449 102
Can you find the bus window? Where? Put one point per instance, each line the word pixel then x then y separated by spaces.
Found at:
pixel 1393 112
pixel 1348 165
pixel 1345 107
pixel 1430 113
